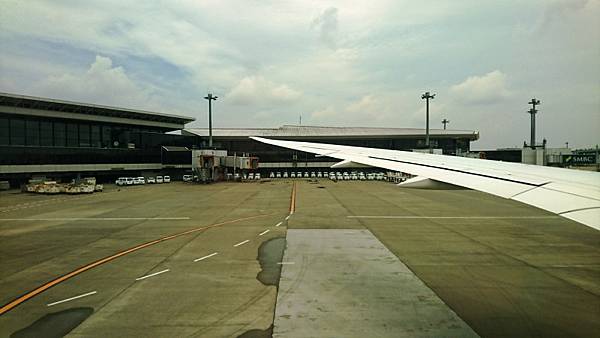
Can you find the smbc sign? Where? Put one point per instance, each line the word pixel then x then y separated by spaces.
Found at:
pixel 579 159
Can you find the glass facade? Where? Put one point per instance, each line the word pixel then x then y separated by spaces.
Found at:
pixel 106 137
pixel 17 132
pixel 46 138
pixel 32 131
pixel 60 134
pixel 95 140
pixel 4 131
pixel 84 135
pixel 33 140
pixel 72 135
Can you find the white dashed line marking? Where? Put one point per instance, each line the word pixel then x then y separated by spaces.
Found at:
pixel 152 274
pixel 285 263
pixel 205 257
pixel 264 232
pixel 73 298
pixel 278 224
pixel 242 243
pixel 288 217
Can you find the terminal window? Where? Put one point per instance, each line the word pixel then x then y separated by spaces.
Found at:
pixel 17 132
pixel 4 131
pixel 59 134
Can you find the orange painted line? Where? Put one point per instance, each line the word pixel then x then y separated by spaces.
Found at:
pixel 293 199
pixel 9 306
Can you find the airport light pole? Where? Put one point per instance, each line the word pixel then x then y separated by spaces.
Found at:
pixel 534 102
pixel 426 97
pixel 445 122
pixel 210 97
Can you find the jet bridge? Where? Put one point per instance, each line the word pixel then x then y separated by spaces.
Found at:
pixel 211 165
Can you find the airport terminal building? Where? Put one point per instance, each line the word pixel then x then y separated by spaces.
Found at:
pixel 451 142
pixel 63 139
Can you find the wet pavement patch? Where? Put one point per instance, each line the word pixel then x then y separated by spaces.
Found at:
pixel 56 324
pixel 269 254
pixel 258 333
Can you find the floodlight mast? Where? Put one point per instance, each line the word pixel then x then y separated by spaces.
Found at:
pixel 210 97
pixel 445 122
pixel 426 97
pixel 534 102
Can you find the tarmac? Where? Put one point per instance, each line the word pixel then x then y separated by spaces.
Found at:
pixel 346 283
pixel 202 260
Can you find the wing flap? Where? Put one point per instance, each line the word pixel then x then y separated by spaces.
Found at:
pixel 589 217
pixel 556 201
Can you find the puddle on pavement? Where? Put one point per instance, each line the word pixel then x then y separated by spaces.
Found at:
pixel 56 324
pixel 269 254
pixel 258 333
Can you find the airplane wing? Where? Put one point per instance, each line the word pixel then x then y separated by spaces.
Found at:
pixel 573 194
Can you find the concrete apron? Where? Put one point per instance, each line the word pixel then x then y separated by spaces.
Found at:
pixel 346 283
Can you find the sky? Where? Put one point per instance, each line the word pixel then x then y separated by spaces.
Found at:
pixel 334 63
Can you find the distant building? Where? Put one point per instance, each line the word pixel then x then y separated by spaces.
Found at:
pixel 45 136
pixel 237 140
pixel 63 139
pixel 554 157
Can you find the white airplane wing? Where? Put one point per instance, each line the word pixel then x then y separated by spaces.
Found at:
pixel 573 194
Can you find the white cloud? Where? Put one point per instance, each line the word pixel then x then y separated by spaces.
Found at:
pixel 368 109
pixel 488 88
pixel 385 54
pixel 101 83
pixel 557 11
pixel 325 113
pixel 327 24
pixel 256 90
pixel 367 104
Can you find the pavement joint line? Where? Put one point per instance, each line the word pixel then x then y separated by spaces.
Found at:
pixel 278 224
pixel 241 243
pixel 264 232
pixel 205 257
pixel 152 274
pixel 72 298
pixel 456 217
pixel 98 219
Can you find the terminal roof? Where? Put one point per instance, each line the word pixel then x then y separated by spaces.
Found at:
pixel 30 105
pixel 295 131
